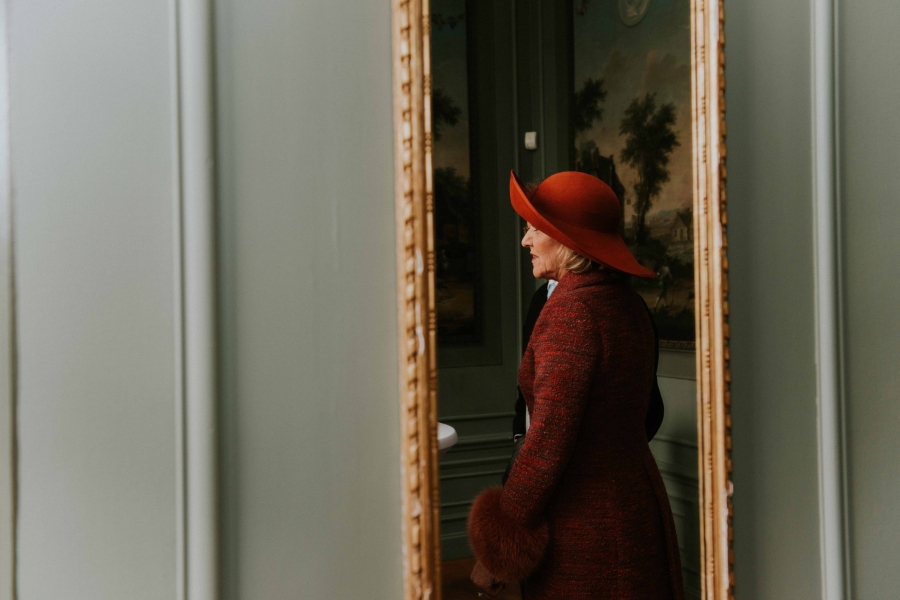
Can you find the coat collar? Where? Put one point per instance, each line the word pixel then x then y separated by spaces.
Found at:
pixel 573 281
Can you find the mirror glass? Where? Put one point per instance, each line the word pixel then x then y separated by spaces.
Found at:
pixel 605 87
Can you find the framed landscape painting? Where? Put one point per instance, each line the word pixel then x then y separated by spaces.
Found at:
pixel 632 129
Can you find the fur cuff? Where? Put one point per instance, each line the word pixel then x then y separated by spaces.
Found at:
pixel 509 551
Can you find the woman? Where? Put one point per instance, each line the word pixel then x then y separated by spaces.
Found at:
pixel 584 513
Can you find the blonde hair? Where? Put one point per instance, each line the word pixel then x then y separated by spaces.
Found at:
pixel 573 262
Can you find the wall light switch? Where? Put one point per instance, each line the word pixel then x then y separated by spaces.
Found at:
pixel 531 140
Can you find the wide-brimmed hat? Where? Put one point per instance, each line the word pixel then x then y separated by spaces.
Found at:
pixel 580 212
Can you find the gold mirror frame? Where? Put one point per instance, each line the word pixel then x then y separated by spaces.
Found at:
pixel 416 311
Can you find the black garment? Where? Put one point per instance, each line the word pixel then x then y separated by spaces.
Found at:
pixel 538 300
pixel 655 410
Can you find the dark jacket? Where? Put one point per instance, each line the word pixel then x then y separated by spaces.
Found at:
pixel 584 514
pixel 655 410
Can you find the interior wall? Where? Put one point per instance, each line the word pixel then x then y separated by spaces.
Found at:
pixel 308 325
pixel 92 170
pixel 310 432
pixel 771 297
pixel 769 65
pixel 869 79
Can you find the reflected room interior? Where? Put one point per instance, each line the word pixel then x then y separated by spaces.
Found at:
pixel 601 87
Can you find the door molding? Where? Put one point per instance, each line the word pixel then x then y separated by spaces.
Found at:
pixel 198 535
pixel 8 368
pixel 832 518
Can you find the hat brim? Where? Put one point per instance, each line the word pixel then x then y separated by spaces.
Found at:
pixel 605 248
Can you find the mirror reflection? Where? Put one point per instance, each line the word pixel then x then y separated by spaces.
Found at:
pixel 565 298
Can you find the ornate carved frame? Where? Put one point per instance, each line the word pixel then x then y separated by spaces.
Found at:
pixel 415 298
pixel 711 283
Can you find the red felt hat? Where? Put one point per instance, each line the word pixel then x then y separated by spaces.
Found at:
pixel 580 212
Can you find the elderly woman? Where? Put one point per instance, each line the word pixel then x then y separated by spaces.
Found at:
pixel 584 513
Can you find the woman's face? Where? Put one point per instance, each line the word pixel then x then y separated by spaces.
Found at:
pixel 545 253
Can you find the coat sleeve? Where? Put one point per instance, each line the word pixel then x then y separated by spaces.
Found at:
pixel 507 526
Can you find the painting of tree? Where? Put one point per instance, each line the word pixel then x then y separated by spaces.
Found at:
pixel 588 104
pixel 650 140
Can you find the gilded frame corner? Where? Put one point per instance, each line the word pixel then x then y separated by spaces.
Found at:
pixel 416 310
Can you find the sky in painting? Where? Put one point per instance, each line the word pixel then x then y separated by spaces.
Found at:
pixel 651 57
pixel 449 72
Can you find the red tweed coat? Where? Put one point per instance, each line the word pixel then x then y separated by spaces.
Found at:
pixel 584 513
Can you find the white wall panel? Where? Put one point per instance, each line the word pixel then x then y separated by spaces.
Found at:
pixel 869 151
pixel 773 345
pixel 308 300
pixel 92 172
pixel 8 443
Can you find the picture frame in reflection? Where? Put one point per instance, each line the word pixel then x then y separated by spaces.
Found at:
pixel 418 263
